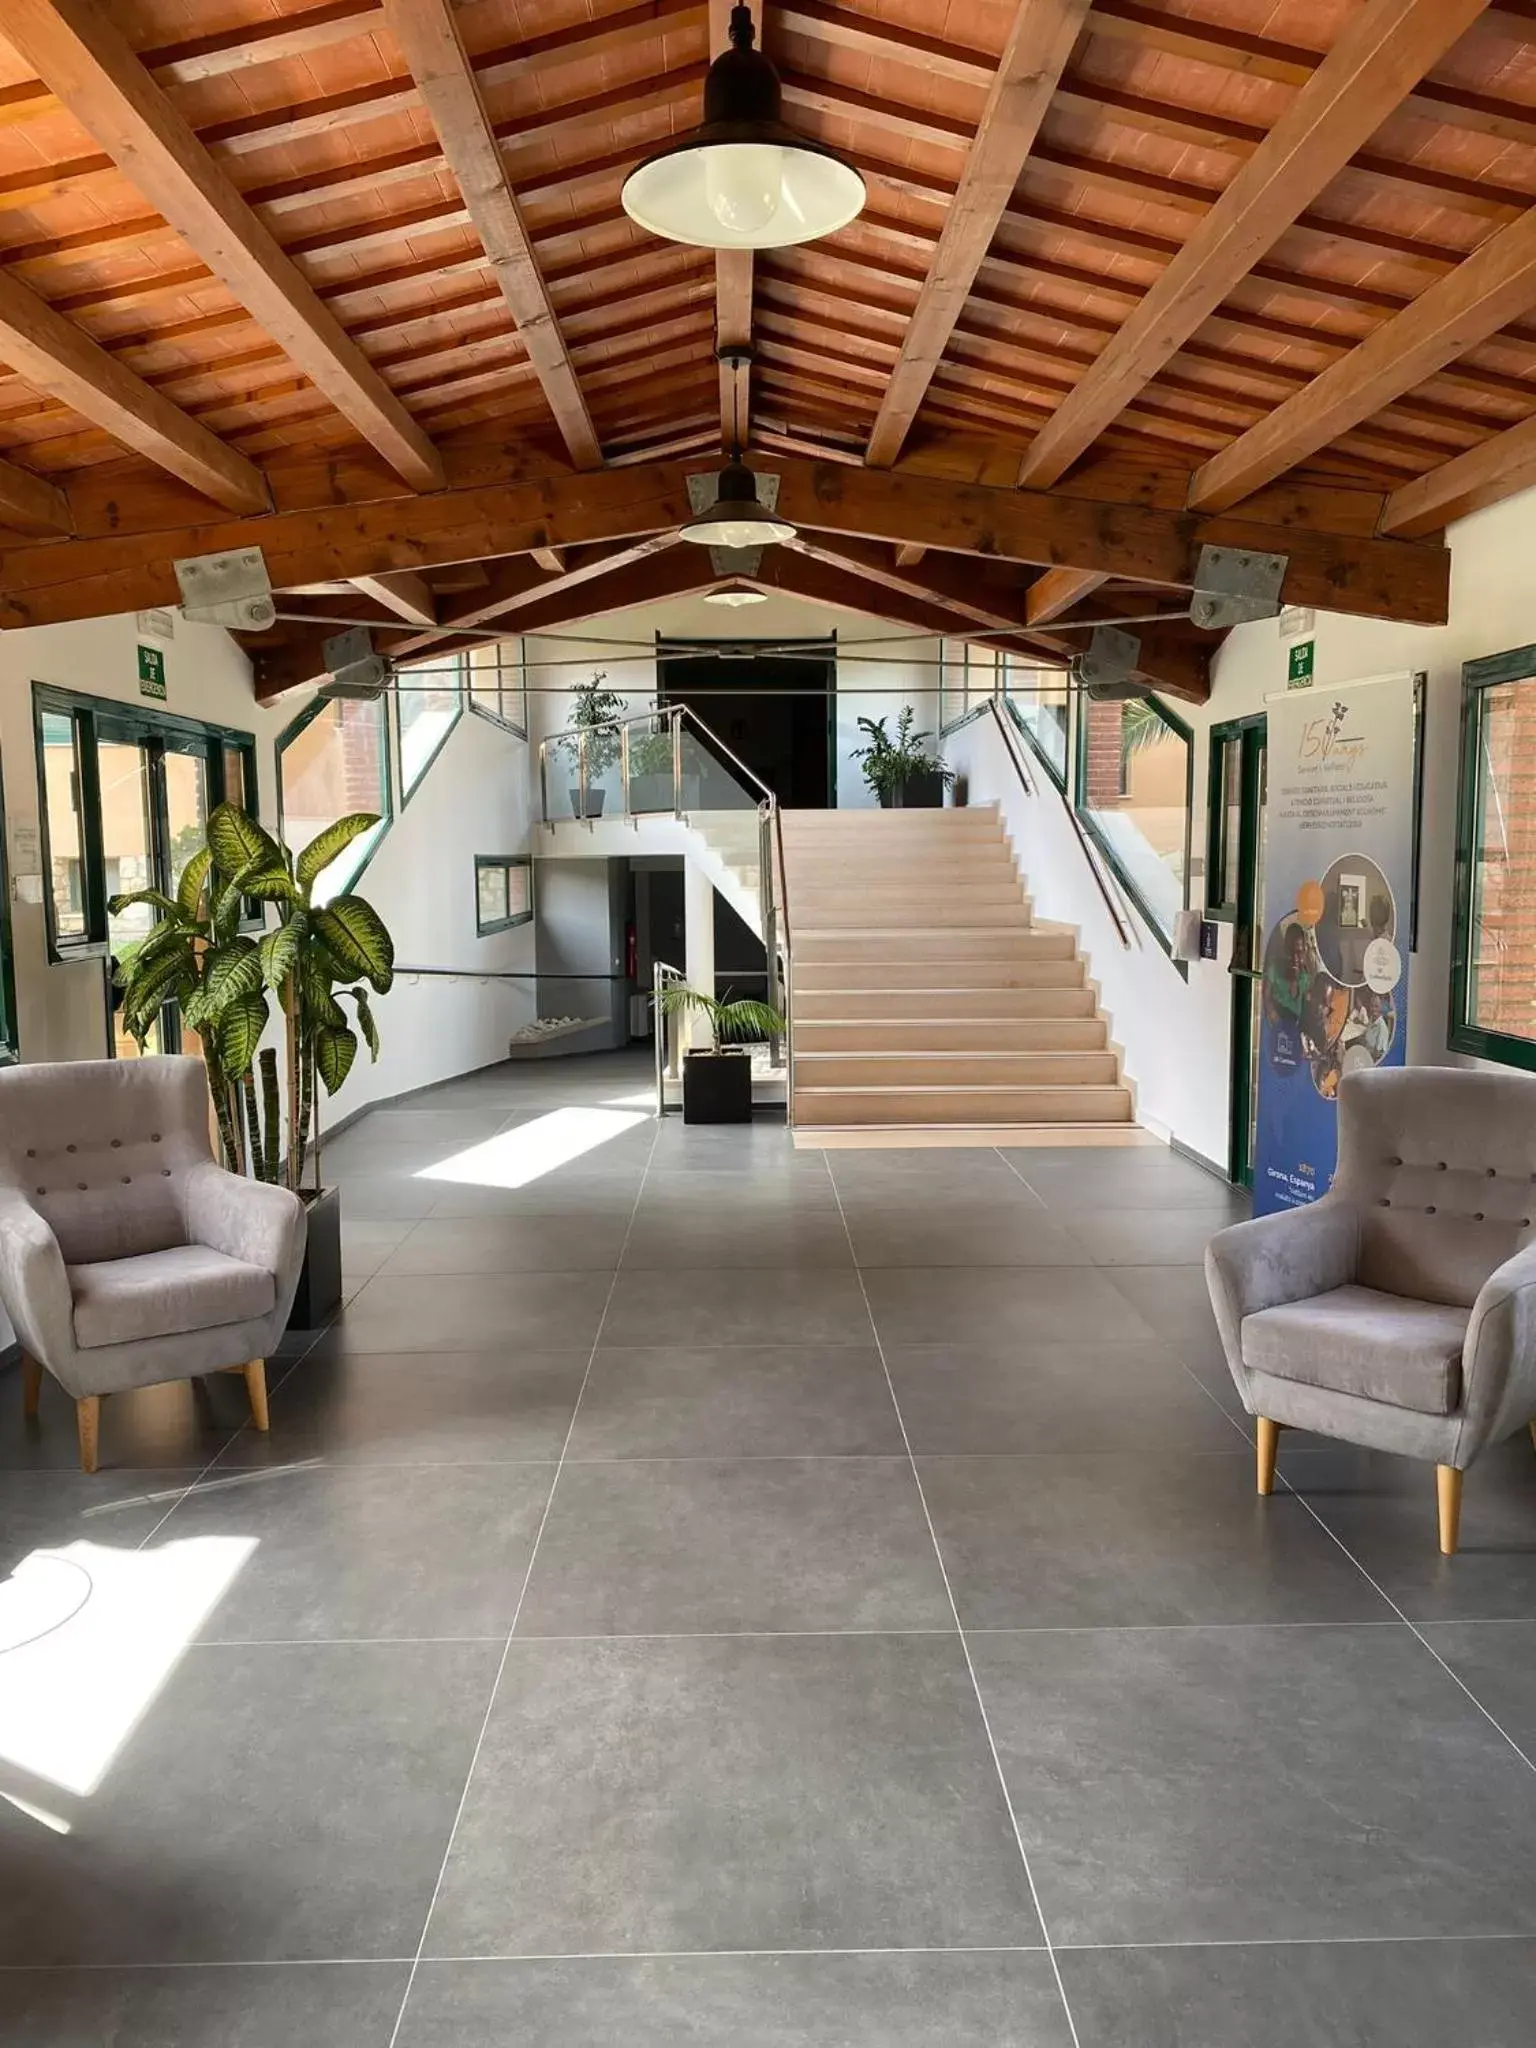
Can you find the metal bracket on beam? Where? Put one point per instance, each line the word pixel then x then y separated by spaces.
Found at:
pixel 704 489
pixel 355 670
pixel 230 589
pixel 1108 663
pixel 1234 586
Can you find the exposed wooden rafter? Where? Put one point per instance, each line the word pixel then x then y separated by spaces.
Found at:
pixel 1057 591
pixel 429 38
pixel 1493 470
pixel 402 592
pixel 77 50
pixel 1039 43
pixel 1383 48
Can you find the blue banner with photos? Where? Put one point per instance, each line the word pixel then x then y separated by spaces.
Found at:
pixel 1338 878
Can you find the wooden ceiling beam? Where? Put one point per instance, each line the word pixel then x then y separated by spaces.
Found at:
pixel 58 358
pixel 402 592
pixel 1057 591
pixel 46 582
pixel 76 48
pixel 1213 44
pixel 1040 40
pixel 890 42
pixel 1495 469
pixel 31 502
pixel 1383 48
pixel 1494 285
pixel 427 32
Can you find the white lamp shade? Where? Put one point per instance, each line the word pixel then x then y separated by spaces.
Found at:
pixel 768 194
pixel 736 598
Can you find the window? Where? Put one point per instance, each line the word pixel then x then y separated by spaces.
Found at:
pixel 1133 794
pixel 1493 963
pixel 1038 700
pixel 334 760
pixel 498 683
pixel 124 796
pixel 428 700
pixel 503 891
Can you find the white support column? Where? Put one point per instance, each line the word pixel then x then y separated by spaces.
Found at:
pixel 698 943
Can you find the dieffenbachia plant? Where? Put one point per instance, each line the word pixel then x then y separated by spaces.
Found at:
pixel 225 980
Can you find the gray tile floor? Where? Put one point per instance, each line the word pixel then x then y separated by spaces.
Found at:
pixel 717 1594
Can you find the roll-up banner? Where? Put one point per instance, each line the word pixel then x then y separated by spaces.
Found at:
pixel 1338 881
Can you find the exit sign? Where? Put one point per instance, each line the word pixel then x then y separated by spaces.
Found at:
pixel 151 673
pixel 1299 669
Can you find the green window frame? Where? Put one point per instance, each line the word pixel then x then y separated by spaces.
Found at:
pixel 345 872
pixel 229 756
pixel 491 695
pixel 411 691
pixel 1115 857
pixel 1223 810
pixel 1492 715
pixel 494 912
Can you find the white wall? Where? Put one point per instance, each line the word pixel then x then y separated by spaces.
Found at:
pixel 876 679
pixel 1175 1034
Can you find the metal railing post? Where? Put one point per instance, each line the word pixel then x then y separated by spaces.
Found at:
pixel 676 716
pixel 544 781
pixel 581 779
pixel 624 766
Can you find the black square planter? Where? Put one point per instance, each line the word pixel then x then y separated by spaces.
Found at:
pixel 921 792
pixel 717 1088
pixel 319 1294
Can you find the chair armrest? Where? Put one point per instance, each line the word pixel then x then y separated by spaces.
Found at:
pixel 245 1219
pixel 1499 1356
pixel 34 1286
pixel 1289 1256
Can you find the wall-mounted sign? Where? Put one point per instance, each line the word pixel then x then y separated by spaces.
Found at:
pixel 1297 620
pixel 160 623
pixel 1298 670
pixel 151 673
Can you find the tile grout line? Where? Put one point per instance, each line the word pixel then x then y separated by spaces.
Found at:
pixel 965 1648
pixel 506 1648
pixel 1374 1583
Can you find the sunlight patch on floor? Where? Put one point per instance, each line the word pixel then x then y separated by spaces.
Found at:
pixel 88 1637
pixel 512 1159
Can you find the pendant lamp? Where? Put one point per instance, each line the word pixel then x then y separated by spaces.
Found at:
pixel 736 519
pixel 742 179
pixel 735 595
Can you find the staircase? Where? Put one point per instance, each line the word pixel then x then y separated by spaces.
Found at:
pixel 923 991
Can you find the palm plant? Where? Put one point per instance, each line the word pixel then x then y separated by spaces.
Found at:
pixel 224 980
pixel 889 764
pixel 738 1018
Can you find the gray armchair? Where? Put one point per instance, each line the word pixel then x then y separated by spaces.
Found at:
pixel 1399 1311
pixel 127 1256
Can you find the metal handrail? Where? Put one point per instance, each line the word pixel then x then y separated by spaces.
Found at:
pixel 574 740
pixel 663 1034
pixel 1010 746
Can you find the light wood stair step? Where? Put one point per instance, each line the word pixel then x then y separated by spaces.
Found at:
pixel 960 945
pixel 902 1005
pixel 859 1035
pixel 865 976
pixel 967 1069
pixel 962 1105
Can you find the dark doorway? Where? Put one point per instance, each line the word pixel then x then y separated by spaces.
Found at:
pixel 772 704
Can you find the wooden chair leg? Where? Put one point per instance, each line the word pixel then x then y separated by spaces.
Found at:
pixel 31 1386
pixel 1268 1450
pixel 88 1421
pixel 256 1388
pixel 1448 1481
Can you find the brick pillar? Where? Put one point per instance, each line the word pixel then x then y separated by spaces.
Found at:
pixel 1103 776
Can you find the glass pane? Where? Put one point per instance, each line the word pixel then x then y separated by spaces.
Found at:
pixel 61 786
pixel 186 809
pixel 1226 825
pixel 1135 791
pixel 519 890
pixel 651 784
pixel 235 790
pixel 127 844
pixel 1501 966
pixel 428 698
pixel 1039 697
pixel 491 888
pixel 334 766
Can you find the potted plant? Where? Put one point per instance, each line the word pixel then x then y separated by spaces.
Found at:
pixel 651 786
pixel 717 1078
pixel 903 774
pixel 225 980
pixel 594 734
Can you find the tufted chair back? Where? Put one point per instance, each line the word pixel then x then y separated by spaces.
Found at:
pixel 1441 1165
pixel 99 1149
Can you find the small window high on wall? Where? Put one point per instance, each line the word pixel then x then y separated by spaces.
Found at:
pixel 503 891
pixel 334 760
pixel 428 700
pixel 498 684
pixel 1133 794
pixel 1493 963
